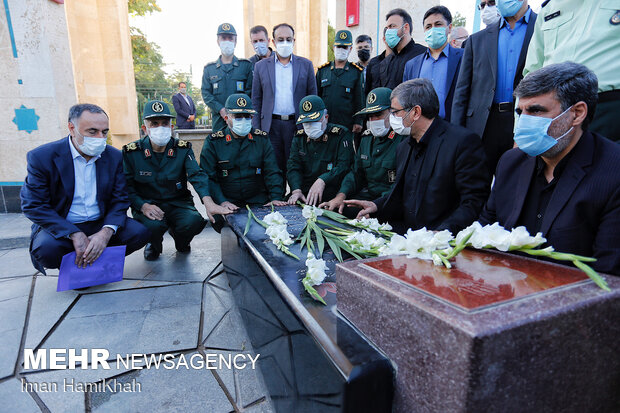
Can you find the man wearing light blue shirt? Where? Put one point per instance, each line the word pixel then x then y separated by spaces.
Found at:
pixel 75 195
pixel 441 62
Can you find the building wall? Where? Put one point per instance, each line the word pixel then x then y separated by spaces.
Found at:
pixel 369 9
pixel 308 17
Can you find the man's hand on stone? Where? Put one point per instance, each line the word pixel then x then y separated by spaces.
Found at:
pixel 367 207
pixel 315 194
pixel 276 203
pixel 336 203
pixel 297 195
pixel 214 209
pixel 152 212
pixel 230 206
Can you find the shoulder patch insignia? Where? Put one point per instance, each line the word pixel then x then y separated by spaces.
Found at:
pixel 336 129
pixel 323 65
pixel 300 132
pixel 361 69
pixel 260 132
pixel 132 146
pixel 367 132
pixel 391 135
pixel 184 144
pixel 218 134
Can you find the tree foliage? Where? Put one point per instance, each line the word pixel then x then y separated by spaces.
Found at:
pixel 459 20
pixel 142 7
pixel 331 35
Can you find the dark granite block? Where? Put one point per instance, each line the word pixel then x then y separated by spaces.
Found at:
pixel 543 344
pixel 11 198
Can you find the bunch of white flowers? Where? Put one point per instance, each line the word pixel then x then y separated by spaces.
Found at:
pixel 275 218
pixel 418 244
pixel 364 241
pixel 315 272
pixel 369 223
pixel 311 212
pixel 279 235
pixel 495 236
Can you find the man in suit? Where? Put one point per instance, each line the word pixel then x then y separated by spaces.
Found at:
pixel 75 195
pixel 185 108
pixel 387 69
pixel 490 70
pixel 562 180
pixel 441 62
pixel 441 182
pixel 279 85
pixel 259 37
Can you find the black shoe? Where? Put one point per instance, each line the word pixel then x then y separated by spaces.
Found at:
pixel 151 253
pixel 183 249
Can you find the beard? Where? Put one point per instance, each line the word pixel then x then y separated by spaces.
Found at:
pixel 563 127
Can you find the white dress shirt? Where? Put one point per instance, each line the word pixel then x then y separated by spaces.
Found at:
pixel 284 103
pixel 84 206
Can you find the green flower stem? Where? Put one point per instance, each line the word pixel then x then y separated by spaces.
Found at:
pixel 444 259
pixel 310 289
pixel 459 247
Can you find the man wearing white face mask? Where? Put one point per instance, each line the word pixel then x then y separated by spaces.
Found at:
pixel 75 195
pixel 260 42
pixel 157 168
pixel 280 82
pixel 562 179
pixel 240 162
pixel 227 75
pixel 488 12
pixel 374 170
pixel 340 84
pixel 321 155
pixel 441 181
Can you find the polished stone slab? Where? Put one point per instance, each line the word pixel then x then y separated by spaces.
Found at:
pixel 13 399
pixel 485 337
pixel 14 295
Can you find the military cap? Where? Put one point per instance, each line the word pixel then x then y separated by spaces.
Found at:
pixel 156 109
pixel 239 103
pixel 311 109
pixel 343 38
pixel 377 100
pixel 226 28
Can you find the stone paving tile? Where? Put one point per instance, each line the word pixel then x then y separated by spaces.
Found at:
pixel 16 262
pixel 133 321
pixel 14 296
pixel 165 391
pixel 228 334
pixel 13 399
pixel 14 226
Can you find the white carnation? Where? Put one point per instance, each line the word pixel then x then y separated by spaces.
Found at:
pixel 311 212
pixel 279 235
pixel 275 218
pixel 364 240
pixel 316 268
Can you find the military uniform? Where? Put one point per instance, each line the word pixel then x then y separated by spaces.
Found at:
pixel 222 80
pixel 341 89
pixel 585 32
pixel 329 157
pixel 161 179
pixel 241 170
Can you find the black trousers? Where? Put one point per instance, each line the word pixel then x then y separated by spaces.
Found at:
pixel 47 251
pixel 497 137
pixel 281 136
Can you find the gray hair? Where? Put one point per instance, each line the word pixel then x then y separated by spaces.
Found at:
pixel 76 111
pixel 571 82
pixel 418 92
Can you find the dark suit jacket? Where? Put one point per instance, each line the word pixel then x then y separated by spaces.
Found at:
pixel 454 181
pixel 47 193
pixel 184 111
pixel 414 66
pixel 583 215
pixel 477 78
pixel 264 88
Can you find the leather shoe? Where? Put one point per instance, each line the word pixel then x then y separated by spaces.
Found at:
pixel 183 249
pixel 151 253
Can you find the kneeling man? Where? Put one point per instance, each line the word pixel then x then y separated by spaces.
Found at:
pixel 75 194
pixel 441 177
pixel 562 180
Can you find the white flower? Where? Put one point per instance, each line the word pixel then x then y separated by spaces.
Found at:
pixel 496 236
pixel 275 218
pixel 316 268
pixel 418 244
pixel 279 235
pixel 369 223
pixel 364 240
pixel 311 212
pixel 475 227
pixel 520 238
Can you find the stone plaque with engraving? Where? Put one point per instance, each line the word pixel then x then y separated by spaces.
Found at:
pixel 496 333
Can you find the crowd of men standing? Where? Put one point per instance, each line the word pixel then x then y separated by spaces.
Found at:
pixel 413 136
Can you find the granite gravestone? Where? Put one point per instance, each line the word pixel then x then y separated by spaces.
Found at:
pixel 496 333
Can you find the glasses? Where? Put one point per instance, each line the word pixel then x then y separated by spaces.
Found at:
pixel 482 5
pixel 395 111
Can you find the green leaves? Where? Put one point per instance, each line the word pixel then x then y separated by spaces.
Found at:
pixel 310 289
pixel 249 223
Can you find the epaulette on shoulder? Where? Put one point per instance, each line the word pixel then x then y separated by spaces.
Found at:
pixel 132 146
pixel 300 132
pixel 361 69
pixel 217 135
pixel 367 132
pixel 337 129
pixel 259 132
pixel 324 65
pixel 184 144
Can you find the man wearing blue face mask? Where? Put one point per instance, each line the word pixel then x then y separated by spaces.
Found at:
pixel 562 180
pixel 441 62
pixel 75 194
pixel 240 161
pixel 491 68
pixel 157 168
pixel 389 68
pixel 260 42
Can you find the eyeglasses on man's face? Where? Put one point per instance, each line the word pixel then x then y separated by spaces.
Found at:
pixel 483 4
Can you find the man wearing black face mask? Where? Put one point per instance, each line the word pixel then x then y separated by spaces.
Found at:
pixel 363 45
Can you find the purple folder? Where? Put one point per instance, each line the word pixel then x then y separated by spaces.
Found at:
pixel 106 269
